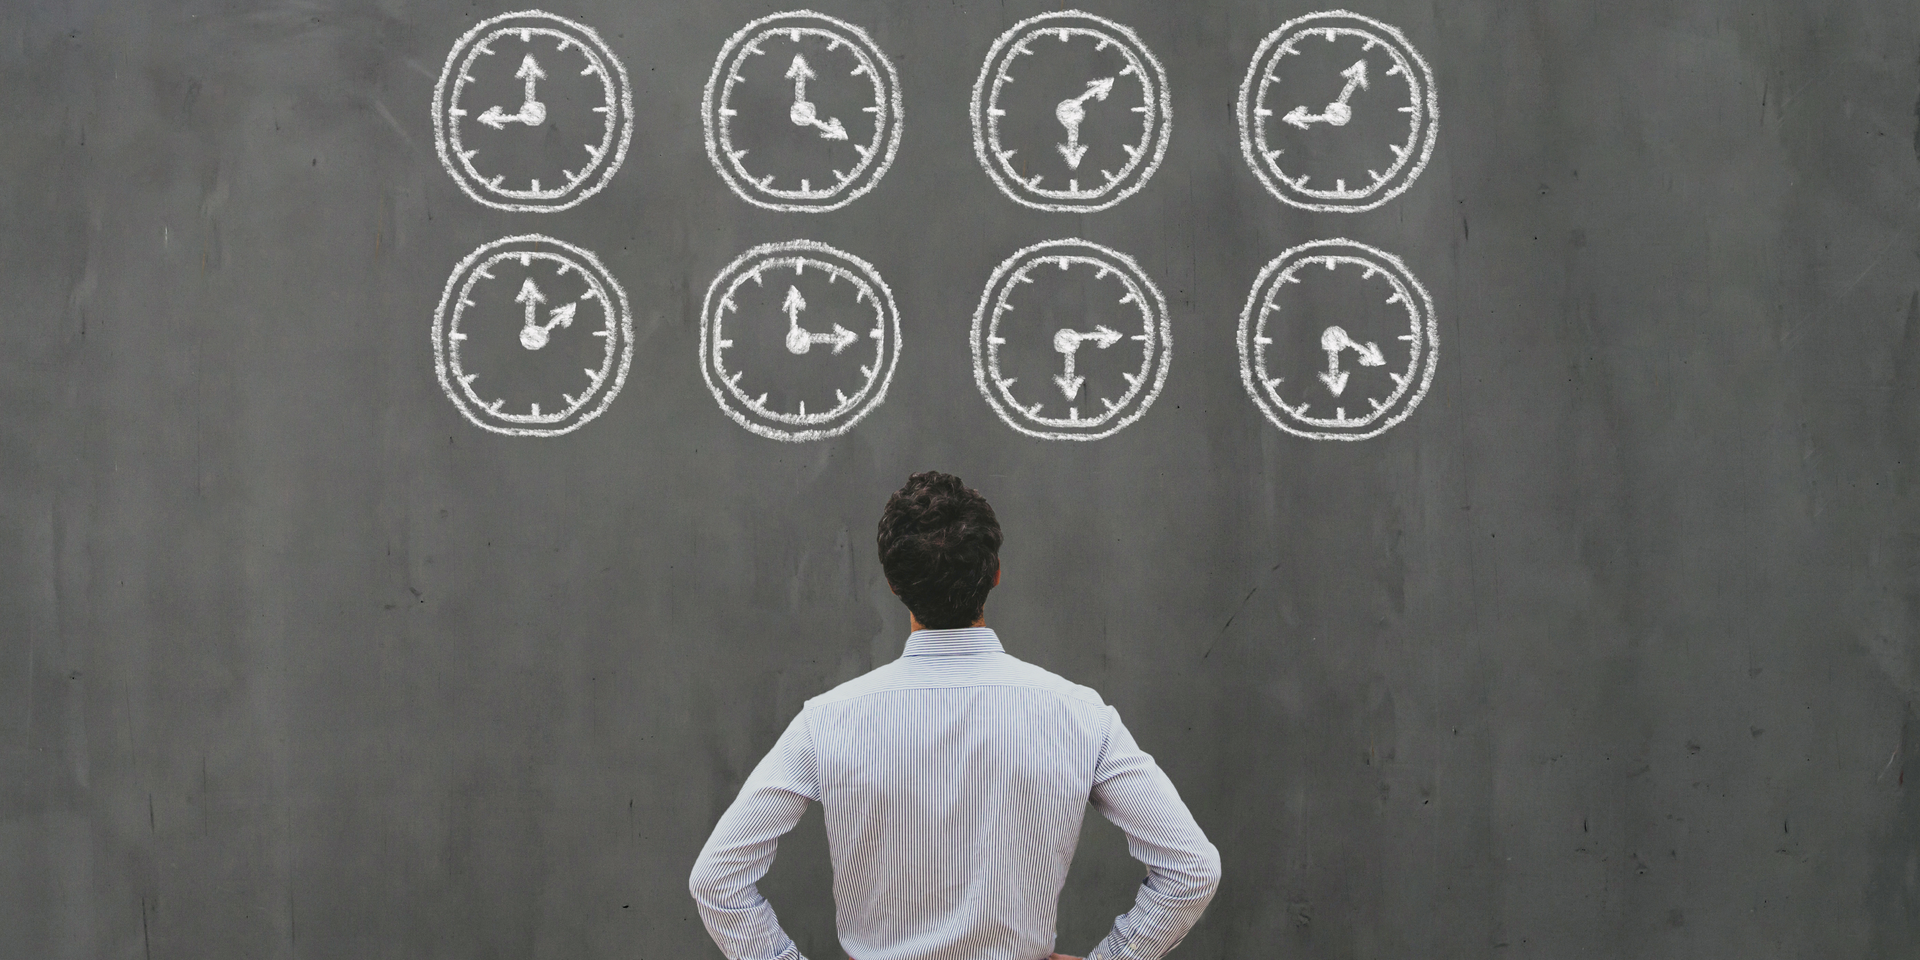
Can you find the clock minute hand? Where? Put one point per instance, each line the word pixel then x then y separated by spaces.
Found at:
pixel 533 336
pixel 532 111
pixel 1338 112
pixel 803 113
pixel 1071 112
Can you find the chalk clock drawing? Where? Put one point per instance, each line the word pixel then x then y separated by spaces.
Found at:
pixel 533 337
pixel 1337 112
pixel 802 112
pixel 1338 341
pixel 798 340
pixel 1071 341
pixel 532 112
pixel 1071 112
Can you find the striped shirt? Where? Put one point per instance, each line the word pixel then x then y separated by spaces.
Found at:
pixel 954 780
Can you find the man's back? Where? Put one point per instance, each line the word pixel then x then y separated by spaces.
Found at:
pixel 954 781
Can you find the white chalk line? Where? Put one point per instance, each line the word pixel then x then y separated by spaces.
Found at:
pixel 1404 153
pixel 799 254
pixel 1137 294
pixel 596 291
pixel 804 196
pixel 456 144
pixel 1156 124
pixel 1402 294
pixel 1423 340
pixel 1157 339
pixel 604 159
pixel 864 292
pixel 1411 158
pixel 888 110
pixel 453 301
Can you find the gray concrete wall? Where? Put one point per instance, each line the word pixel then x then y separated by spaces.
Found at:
pixel 1607 651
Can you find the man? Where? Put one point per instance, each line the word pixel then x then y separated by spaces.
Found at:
pixel 953 780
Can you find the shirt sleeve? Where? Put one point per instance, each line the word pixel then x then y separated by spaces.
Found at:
pixel 1183 868
pixel 742 847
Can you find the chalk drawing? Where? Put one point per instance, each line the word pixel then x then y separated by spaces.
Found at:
pixel 1124 106
pixel 798 340
pixel 802 112
pixel 1338 112
pixel 1032 351
pixel 1350 379
pixel 532 337
pixel 532 112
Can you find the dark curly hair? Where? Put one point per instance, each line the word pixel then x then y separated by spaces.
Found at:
pixel 940 548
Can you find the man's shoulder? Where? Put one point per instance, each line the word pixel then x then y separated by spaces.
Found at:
pixel 1046 679
pixel 932 673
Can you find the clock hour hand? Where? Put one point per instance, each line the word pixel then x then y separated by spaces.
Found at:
pixel 534 335
pixel 1071 112
pixel 1337 113
pixel 532 112
pixel 1067 343
pixel 803 113
pixel 1335 340
pixel 799 341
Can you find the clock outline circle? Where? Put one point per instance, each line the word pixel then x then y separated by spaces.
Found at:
pixel 604 157
pixel 888 109
pixel 1423 337
pixel 1156 335
pixel 1423 104
pixel 604 383
pixel 1156 128
pixel 798 255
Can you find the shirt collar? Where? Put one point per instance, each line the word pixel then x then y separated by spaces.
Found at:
pixel 952 643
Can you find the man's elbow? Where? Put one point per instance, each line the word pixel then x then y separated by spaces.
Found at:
pixel 1206 872
pixel 1210 870
pixel 707 883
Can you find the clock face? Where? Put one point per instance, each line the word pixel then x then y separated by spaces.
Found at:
pixel 1338 341
pixel 1337 112
pixel 1071 112
pixel 798 341
pixel 532 112
pixel 802 112
pixel 533 337
pixel 1071 341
